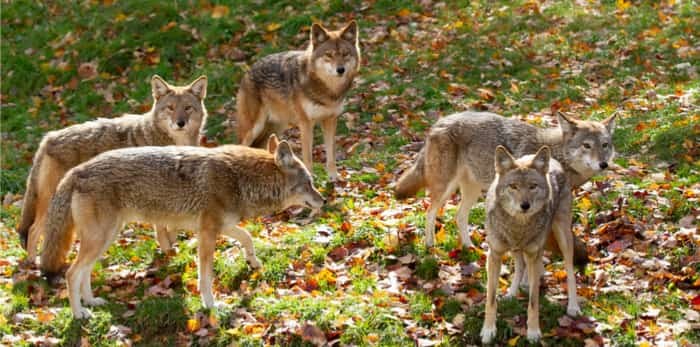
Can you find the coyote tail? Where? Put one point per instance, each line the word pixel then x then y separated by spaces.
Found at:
pixel 30 197
pixel 59 228
pixel 413 179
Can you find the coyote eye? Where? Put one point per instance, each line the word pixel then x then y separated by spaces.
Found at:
pixel 533 186
pixel 329 54
pixel 587 145
pixel 605 145
pixel 513 186
pixel 189 108
pixel 170 108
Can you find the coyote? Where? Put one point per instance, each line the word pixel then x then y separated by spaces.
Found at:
pixel 458 153
pixel 529 198
pixel 177 117
pixel 208 189
pixel 300 88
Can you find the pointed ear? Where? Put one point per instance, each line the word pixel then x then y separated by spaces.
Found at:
pixel 284 157
pixel 199 87
pixel 566 123
pixel 159 87
pixel 350 32
pixel 541 160
pixel 610 123
pixel 504 160
pixel 272 143
pixel 319 34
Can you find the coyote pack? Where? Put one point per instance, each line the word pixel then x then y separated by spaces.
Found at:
pixel 177 117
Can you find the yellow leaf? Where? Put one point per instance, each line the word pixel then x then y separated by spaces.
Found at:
pixel 120 17
pixel 219 11
pixel 273 26
pixel 644 344
pixel 192 325
pixel 380 167
pixel 513 341
pixel 584 204
pixel 458 24
pixel 326 276
pixel 378 117
pixel 622 5
pixel 441 235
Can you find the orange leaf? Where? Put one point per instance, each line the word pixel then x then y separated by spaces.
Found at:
pixel 192 325
pixel 404 12
pixel 44 317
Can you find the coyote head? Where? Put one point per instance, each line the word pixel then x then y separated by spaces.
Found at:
pixel 335 55
pixel 522 188
pixel 588 147
pixel 299 186
pixel 179 110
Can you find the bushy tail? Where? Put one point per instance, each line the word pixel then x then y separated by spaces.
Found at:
pixel 412 179
pixel 30 197
pixel 59 227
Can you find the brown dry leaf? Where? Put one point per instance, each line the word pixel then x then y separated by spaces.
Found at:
pixel 88 71
pixel 485 94
pixel 313 334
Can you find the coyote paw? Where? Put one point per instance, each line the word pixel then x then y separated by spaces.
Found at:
pixel 573 310
pixel 81 313
pixel 487 334
pixel 95 302
pixel 534 335
pixel 254 263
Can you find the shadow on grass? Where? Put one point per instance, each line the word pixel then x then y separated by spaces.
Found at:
pixel 512 316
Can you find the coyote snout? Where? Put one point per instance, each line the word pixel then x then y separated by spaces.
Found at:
pixel 303 192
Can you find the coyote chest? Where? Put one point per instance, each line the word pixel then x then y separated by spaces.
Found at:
pixel 316 111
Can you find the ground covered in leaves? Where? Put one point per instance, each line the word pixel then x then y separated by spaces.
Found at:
pixel 358 274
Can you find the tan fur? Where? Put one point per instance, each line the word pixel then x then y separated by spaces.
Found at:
pixel 63 149
pixel 206 189
pixel 529 199
pixel 300 88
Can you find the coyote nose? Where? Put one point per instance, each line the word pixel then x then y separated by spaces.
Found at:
pixel 525 206
pixel 603 165
pixel 340 70
pixel 181 123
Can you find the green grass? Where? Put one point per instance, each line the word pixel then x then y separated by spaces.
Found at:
pixel 419 63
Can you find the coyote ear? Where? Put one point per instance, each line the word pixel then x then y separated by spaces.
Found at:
pixel 159 87
pixel 199 87
pixel 350 32
pixel 319 34
pixel 566 123
pixel 541 160
pixel 610 123
pixel 504 160
pixel 272 143
pixel 284 157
